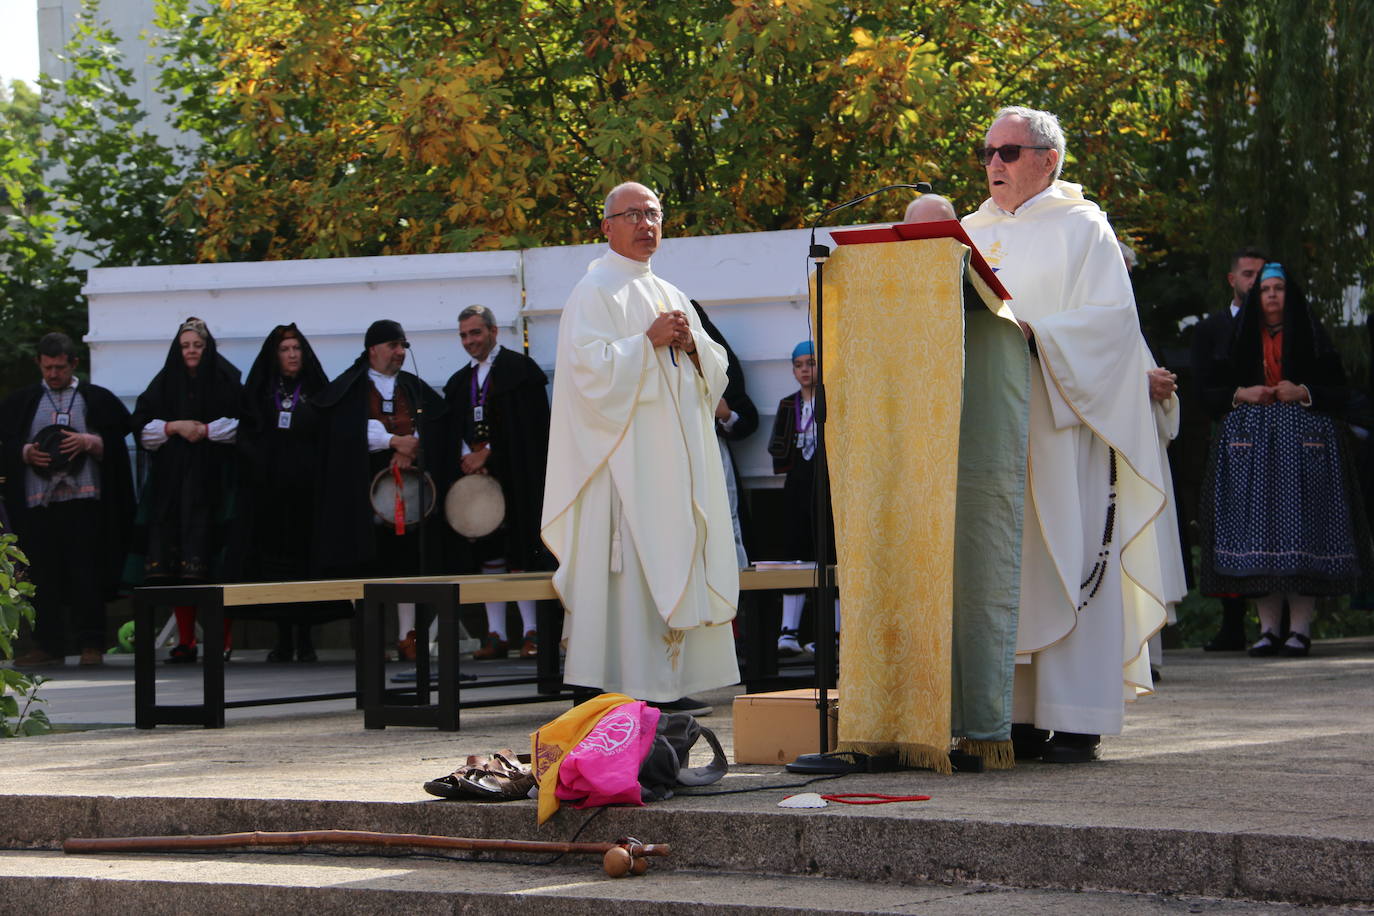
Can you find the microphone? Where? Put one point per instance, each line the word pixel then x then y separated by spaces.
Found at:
pixel 822 251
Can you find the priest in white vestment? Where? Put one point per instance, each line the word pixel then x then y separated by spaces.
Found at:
pixel 635 506
pixel 1091 583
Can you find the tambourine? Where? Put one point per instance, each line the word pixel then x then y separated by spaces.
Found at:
pixel 475 505
pixel 49 441
pixel 415 486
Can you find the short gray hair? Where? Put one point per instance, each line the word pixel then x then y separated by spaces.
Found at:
pixel 1043 126
pixel 478 311
pixel 606 207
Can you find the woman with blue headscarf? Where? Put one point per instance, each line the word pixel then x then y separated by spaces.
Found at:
pixel 1281 505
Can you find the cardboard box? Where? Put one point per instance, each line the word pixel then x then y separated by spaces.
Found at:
pixel 778 727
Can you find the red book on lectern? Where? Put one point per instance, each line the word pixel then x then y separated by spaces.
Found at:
pixel 937 229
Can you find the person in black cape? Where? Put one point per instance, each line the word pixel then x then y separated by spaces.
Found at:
pixel 186 422
pixel 372 416
pixel 73 525
pixel 736 420
pixel 1282 511
pixel 278 465
pixel 499 425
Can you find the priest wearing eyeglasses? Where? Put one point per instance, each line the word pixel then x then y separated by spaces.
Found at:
pixel 1090 584
pixel 635 506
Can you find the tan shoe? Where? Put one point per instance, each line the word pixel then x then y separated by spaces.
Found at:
pixel 92 657
pixel 493 647
pixel 531 647
pixel 37 658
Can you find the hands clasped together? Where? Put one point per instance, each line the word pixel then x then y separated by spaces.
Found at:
pixel 671 329
pixel 1285 392
pixel 73 444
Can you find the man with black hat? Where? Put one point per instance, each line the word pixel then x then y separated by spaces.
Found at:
pixel 375 417
pixel 70 498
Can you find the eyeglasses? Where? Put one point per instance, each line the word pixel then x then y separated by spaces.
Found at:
pixel 1009 152
pixel 638 216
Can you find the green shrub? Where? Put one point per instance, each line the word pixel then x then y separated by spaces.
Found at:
pixel 18 691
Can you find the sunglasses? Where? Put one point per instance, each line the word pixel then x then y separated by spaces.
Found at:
pixel 1009 152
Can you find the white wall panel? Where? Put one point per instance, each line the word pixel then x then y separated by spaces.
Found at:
pixel 753 285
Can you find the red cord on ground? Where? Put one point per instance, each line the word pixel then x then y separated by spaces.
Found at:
pixel 872 798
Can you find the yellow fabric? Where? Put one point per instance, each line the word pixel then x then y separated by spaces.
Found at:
pixel 552 742
pixel 893 361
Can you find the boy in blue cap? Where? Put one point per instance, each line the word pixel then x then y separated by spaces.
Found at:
pixel 793 447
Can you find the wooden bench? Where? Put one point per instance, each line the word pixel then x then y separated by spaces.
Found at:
pixel 439 597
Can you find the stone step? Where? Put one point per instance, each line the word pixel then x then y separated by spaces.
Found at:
pixel 43 882
pixel 841 842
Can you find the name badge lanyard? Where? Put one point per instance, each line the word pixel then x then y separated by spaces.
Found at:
pixel 478 397
pixel 802 429
pixel 284 410
pixel 61 416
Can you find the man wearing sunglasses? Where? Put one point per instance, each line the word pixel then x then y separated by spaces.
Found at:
pixel 635 507
pixel 1091 580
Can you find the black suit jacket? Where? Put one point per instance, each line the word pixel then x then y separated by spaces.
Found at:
pixel 1212 339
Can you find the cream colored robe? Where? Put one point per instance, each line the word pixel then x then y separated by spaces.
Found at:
pixel 1059 259
pixel 635 507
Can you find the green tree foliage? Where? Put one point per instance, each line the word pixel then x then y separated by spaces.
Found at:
pixel 37 291
pixel 423 125
pixel 1273 146
pixel 18 691
pixel 113 178
pixel 81 183
pixel 1289 154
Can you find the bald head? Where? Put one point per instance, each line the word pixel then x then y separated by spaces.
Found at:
pixel 610 207
pixel 928 208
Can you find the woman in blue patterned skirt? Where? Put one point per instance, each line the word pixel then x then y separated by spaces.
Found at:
pixel 1281 508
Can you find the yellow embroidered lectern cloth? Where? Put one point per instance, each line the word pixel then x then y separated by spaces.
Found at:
pixel 893 362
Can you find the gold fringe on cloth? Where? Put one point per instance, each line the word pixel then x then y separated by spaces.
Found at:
pixel 894 362
pixel 908 755
pixel 997 755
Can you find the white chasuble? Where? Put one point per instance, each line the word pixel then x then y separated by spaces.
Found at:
pixel 1082 627
pixel 635 506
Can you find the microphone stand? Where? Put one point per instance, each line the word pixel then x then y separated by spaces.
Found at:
pixel 823 589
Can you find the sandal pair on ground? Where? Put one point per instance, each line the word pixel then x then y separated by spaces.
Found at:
pixel 503 776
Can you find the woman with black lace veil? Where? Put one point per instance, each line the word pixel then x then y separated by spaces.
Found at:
pixel 278 477
pixel 186 422
pixel 1282 510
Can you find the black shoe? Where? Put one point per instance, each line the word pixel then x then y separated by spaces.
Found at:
pixel 182 655
pixel 1072 747
pixel 279 655
pixel 1027 741
pixel 685 704
pixel 1268 644
pixel 1226 641
pixel 305 646
pixel 1301 649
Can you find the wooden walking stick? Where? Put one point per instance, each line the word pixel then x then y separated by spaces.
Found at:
pixel 625 856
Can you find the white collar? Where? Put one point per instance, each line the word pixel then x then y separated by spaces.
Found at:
pixel 488 361
pixel 70 385
pixel 1027 203
pixel 378 376
pixel 629 265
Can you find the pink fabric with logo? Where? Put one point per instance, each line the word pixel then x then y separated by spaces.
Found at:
pixel 604 767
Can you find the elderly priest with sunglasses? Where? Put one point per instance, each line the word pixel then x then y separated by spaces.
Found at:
pixel 1090 579
pixel 635 507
